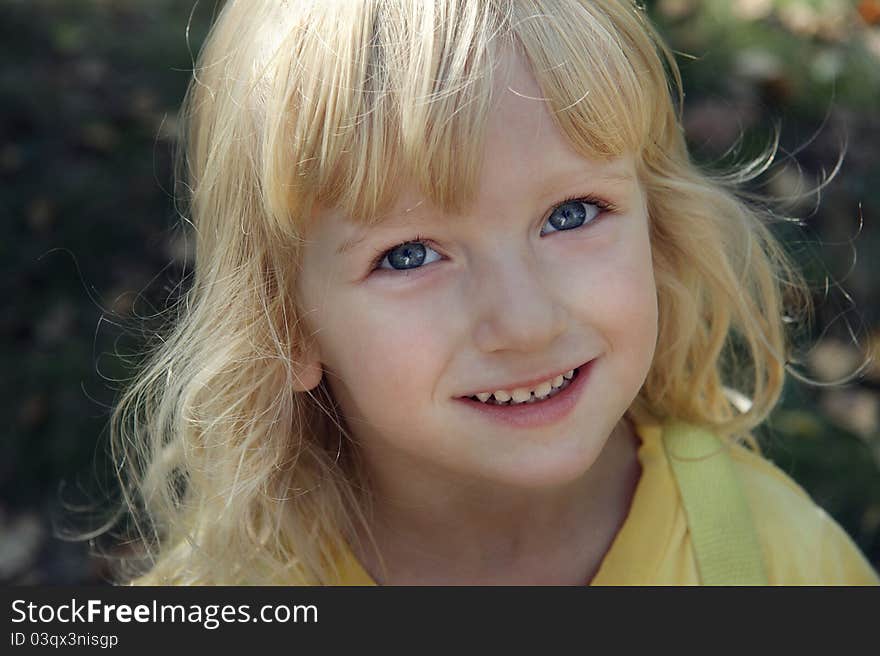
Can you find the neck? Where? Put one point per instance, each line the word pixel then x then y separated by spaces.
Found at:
pixel 485 534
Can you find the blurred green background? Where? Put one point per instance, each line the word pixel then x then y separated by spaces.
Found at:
pixel 92 248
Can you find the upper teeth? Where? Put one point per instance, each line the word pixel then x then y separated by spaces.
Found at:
pixel 522 394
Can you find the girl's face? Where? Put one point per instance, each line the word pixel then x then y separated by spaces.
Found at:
pixel 498 294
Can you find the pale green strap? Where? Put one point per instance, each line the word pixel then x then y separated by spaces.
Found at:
pixel 719 520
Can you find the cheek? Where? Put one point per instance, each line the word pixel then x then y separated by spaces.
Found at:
pixel 383 352
pixel 368 345
pixel 616 294
pixel 630 297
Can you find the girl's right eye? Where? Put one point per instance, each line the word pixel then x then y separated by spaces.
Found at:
pixel 570 214
pixel 409 255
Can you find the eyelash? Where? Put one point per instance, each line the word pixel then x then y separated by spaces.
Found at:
pixel 604 206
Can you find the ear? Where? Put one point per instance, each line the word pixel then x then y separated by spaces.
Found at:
pixel 307 369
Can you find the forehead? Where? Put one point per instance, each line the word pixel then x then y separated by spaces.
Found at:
pixel 520 128
pixel 522 143
pixel 431 107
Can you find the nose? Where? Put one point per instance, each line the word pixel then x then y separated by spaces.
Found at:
pixel 517 306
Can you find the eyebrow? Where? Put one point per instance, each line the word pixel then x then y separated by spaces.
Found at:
pixel 363 234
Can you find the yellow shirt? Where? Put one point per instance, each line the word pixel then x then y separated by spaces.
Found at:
pixel 800 542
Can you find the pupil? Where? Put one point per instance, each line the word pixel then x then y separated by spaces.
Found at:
pixel 568 215
pixel 407 256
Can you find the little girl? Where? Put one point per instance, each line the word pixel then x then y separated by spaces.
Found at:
pixel 463 312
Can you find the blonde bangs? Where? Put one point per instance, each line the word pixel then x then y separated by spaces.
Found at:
pixel 383 93
pixel 591 59
pixel 376 95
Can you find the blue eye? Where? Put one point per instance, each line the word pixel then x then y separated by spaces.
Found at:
pixel 409 255
pixel 570 214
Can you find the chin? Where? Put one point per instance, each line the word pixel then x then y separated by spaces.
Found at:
pixel 549 471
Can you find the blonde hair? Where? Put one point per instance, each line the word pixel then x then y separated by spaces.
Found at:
pixel 232 477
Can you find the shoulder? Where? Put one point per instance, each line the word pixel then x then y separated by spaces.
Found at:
pixel 802 544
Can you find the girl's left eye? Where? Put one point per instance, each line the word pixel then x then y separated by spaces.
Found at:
pixel 570 214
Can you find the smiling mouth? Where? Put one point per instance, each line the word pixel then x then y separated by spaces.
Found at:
pixel 532 398
pixel 492 401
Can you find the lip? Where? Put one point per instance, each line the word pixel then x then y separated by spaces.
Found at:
pixel 529 384
pixel 540 413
